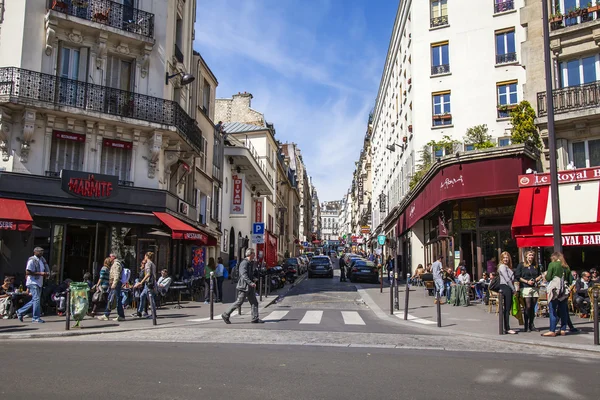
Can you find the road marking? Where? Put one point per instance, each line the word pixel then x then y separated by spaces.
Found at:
pixel 352 318
pixel 312 317
pixel 199 319
pixel 275 316
pixel 414 319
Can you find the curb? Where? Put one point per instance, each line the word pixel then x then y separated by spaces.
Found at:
pixel 383 315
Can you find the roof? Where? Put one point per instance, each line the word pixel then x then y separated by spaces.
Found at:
pixel 238 127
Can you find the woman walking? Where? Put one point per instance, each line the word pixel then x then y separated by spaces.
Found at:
pixel 507 277
pixel 559 279
pixel 528 275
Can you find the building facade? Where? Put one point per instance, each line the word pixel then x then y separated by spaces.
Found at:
pixel 330 221
pixel 98 135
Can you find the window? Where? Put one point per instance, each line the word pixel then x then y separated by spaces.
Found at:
pixel 440 62
pixel 503 142
pixel 571 10
pixel 119 73
pixel 116 159
pixel 507 98
pixel 439 13
pixel 179 39
pixel 206 97
pixel 216 195
pixel 505 46
pixel 70 70
pixel 579 72
pixel 441 109
pixel 469 147
pixel 66 151
pixel 202 210
pixel 202 157
pixel 503 5
pixel 586 154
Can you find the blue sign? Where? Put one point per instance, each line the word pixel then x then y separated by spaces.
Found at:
pixel 381 239
pixel 305 244
pixel 258 228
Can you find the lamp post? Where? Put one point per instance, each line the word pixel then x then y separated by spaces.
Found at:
pixel 556 228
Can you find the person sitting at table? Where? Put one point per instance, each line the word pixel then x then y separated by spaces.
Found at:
pixel 5 298
pixel 59 297
pixel 481 285
pixel 163 282
pixel 582 295
pixel 595 276
pixel 463 278
pixel 418 272
pixel 188 273
pixel 448 276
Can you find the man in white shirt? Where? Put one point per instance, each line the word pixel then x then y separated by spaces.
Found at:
pixel 438 279
pixel 36 270
pixel 464 278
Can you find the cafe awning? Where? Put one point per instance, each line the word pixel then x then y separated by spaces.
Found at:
pixel 579 210
pixel 181 230
pixel 14 215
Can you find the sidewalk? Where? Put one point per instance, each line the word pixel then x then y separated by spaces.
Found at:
pixel 471 321
pixel 168 316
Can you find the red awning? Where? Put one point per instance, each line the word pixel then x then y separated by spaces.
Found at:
pixel 579 211
pixel 181 230
pixel 14 215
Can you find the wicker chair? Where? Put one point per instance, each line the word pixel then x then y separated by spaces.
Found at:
pixel 493 299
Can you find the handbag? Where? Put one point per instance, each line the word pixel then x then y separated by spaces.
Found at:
pixel 99 296
pixel 495 284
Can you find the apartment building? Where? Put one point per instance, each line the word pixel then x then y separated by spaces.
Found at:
pixel 98 138
pixel 293 154
pixel 316 213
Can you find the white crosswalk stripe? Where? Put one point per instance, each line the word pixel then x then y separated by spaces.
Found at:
pixel 275 316
pixel 312 317
pixel 352 318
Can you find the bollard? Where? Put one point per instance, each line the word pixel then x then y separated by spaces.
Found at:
pixel 260 286
pixel 596 317
pixel 392 299
pixel 381 280
pixel 212 297
pixel 406 297
pixel 68 311
pixel 500 313
pixel 439 308
pixel 152 305
pixel 396 291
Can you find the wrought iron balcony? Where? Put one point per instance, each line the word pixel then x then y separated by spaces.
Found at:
pixel 503 5
pixel 24 86
pixel 179 57
pixel 440 69
pixel 571 99
pixel 109 13
pixel 506 58
pixel 439 21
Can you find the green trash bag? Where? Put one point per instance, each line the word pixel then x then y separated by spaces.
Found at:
pixel 79 300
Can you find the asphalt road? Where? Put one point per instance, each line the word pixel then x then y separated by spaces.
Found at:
pixel 99 370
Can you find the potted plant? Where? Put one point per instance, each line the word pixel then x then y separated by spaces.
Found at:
pixel 60 5
pixel 446 115
pixel 80 3
pixel 593 8
pixel 410 129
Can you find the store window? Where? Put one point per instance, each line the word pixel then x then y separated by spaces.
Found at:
pixel 116 159
pixel 586 153
pixel 66 152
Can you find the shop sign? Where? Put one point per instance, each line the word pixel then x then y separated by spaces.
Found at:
pixel 442 229
pixel 381 239
pixel 360 190
pixel 258 212
pixel 237 195
pixel 195 236
pixel 74 137
pixel 89 186
pixel 8 225
pixel 581 240
pixel 569 176
pixel 365 229
pixel 118 144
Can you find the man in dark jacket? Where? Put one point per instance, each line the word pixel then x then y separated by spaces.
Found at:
pixel 246 287
pixel 342 270
pixel 582 296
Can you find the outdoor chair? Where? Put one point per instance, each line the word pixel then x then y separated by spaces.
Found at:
pixel 493 300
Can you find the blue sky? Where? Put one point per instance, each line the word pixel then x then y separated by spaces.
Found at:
pixel 313 67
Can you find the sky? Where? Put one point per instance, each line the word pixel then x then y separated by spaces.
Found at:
pixel 312 66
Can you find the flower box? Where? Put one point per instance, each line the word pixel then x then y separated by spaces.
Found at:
pixel 410 128
pixel 60 5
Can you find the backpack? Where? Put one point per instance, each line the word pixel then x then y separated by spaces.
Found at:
pixel 125 275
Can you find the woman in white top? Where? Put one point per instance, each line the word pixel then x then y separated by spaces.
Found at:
pixel 220 274
pixel 507 277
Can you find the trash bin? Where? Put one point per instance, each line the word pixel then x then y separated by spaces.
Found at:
pixel 79 301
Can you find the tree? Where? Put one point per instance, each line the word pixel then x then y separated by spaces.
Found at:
pixel 478 136
pixel 524 129
pixel 424 164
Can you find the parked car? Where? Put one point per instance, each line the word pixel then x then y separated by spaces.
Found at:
pixel 321 266
pixel 310 255
pixel 363 270
pixel 292 262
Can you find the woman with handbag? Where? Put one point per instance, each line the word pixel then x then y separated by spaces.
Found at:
pixel 507 278
pixel 528 275
pixel 559 279
pixel 101 294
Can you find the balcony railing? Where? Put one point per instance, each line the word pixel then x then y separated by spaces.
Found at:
pixel 440 69
pixel 109 13
pixel 24 86
pixel 506 58
pixel 575 17
pixel 503 5
pixel 178 54
pixel 439 21
pixel 571 99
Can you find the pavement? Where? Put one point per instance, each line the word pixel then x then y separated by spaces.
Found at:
pixel 473 321
pixel 168 316
pixel 164 370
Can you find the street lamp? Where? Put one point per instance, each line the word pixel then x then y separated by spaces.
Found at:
pixel 556 228
pixel 185 78
pixel 392 147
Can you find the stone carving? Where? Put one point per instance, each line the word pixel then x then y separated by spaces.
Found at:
pixel 51 40
pixel 122 48
pixel 5 126
pixel 28 131
pixel 101 49
pixel 75 36
pixel 144 61
pixel 154 147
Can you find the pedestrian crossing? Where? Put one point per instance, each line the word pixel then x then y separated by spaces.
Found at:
pixel 314 317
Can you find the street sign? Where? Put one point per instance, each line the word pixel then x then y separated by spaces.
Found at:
pixel 258 239
pixel 258 228
pixel 381 239
pixel 305 244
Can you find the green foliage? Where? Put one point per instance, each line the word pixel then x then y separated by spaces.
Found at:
pixel 479 137
pixel 524 129
pixel 425 161
pixel 447 143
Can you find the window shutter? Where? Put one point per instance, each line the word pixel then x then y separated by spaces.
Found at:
pixel 83 64
pixel 208 204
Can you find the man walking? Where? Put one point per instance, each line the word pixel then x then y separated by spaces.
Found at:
pixel 115 284
pixel 342 270
pixel 148 284
pixel 246 287
pixel 437 277
pixel 36 270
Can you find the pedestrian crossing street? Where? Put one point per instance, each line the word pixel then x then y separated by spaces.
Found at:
pixel 314 317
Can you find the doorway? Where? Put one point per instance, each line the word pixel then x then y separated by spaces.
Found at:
pixel 467 251
pixel 80 250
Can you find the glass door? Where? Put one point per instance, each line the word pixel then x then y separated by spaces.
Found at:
pixel 68 71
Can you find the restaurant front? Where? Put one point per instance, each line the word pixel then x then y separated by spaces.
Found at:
pixel 462 209
pixel 80 218
pixel 579 203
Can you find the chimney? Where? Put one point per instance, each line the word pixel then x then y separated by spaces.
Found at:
pixel 242 99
